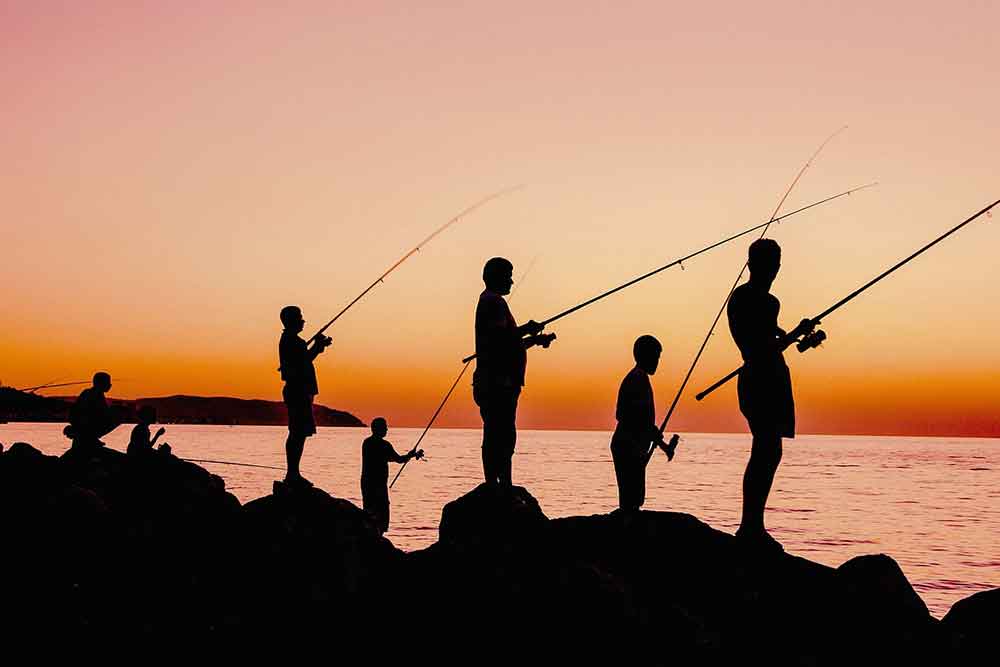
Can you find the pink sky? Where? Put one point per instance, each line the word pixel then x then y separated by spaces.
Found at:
pixel 177 173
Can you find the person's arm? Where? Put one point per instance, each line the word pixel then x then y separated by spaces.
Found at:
pixel 160 431
pixel 542 340
pixel 530 328
pixel 396 457
pixel 785 340
pixel 318 347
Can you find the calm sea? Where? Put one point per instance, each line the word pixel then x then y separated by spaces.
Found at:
pixel 933 504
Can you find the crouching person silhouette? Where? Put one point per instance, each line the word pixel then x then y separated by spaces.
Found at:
pixel 90 418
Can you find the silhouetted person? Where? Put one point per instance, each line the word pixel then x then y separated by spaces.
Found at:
pixel 140 443
pixel 300 389
pixel 501 360
pixel 636 429
pixel 765 385
pixel 376 452
pixel 90 418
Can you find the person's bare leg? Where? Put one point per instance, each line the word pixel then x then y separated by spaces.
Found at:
pixel 294 446
pixel 765 455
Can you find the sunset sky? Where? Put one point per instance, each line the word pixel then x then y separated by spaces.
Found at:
pixel 175 173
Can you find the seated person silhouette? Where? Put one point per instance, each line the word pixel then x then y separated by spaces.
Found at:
pixel 376 453
pixel 636 428
pixel 90 418
pixel 140 443
pixel 501 361
pixel 765 385
pixel 299 392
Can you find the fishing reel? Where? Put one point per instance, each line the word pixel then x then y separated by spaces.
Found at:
pixel 543 339
pixel 809 341
pixel 671 446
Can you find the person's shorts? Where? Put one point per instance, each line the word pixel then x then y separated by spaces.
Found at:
pixel 766 402
pixel 300 414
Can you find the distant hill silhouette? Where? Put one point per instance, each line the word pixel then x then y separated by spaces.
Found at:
pixel 26 407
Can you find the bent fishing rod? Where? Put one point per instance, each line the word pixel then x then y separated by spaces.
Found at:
pixel 813 340
pixel 482 202
pixel 434 417
pixel 681 260
pixel 711 330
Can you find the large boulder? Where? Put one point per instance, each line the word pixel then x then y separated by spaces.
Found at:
pixel 510 588
pixel 492 513
pixel 973 621
pixel 312 561
pixel 109 544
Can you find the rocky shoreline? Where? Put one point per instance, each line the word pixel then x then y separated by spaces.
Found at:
pixel 106 550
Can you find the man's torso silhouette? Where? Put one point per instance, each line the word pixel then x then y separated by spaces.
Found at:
pixel 764 385
pixel 299 375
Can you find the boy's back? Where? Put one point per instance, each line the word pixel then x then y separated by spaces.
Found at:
pixel 139 441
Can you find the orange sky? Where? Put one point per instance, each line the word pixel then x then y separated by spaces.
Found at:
pixel 173 176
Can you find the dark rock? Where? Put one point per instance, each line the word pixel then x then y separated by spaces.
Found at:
pixel 881 587
pixel 108 543
pixel 103 545
pixel 315 561
pixel 972 622
pixel 491 513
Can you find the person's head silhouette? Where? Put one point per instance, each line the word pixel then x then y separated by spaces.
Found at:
pixel 379 427
pixel 764 260
pixel 646 352
pixel 498 275
pixel 291 318
pixel 147 415
pixel 102 382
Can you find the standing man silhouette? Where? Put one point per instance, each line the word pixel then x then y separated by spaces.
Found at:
pixel 765 385
pixel 300 389
pixel 501 360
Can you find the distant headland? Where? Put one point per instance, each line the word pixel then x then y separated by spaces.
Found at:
pixel 19 406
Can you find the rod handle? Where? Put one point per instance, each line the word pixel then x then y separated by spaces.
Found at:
pixel 709 390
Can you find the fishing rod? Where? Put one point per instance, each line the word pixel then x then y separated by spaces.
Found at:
pixel 430 423
pixel 718 316
pixel 813 340
pixel 681 260
pixel 50 385
pixel 449 223
pixel 233 463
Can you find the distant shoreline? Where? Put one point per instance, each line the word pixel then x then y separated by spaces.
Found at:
pixel 19 406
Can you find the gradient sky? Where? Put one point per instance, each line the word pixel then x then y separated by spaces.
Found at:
pixel 174 173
